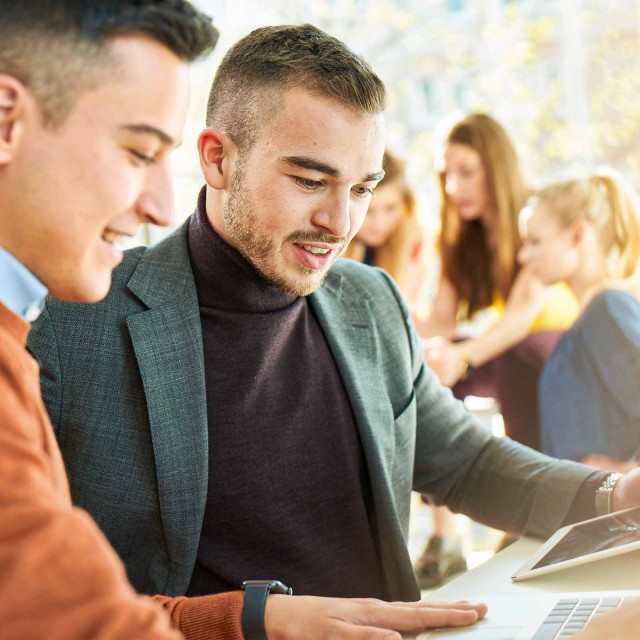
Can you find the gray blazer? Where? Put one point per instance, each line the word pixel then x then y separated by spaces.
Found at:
pixel 124 383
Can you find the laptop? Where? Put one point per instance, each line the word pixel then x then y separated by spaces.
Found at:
pixel 536 616
pixel 540 614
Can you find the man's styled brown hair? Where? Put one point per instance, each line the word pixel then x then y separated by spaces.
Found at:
pixel 58 49
pixel 259 67
pixel 476 270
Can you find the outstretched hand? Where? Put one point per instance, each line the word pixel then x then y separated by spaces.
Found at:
pixel 317 618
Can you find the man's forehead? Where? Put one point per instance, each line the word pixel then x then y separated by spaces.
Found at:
pixel 312 129
pixel 130 99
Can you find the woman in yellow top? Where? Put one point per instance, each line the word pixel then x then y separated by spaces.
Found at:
pixel 482 192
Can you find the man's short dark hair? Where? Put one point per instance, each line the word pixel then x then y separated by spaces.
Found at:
pixel 259 67
pixel 57 49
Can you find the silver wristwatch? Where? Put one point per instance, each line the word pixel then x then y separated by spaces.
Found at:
pixel 604 494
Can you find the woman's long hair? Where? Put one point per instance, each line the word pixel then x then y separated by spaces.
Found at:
pixel 476 271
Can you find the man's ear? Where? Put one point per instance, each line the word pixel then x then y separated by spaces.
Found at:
pixel 217 155
pixel 13 98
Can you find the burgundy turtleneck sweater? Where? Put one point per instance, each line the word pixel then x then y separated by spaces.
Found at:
pixel 288 494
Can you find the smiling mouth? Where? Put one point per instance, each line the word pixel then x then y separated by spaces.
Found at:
pixel 315 250
pixel 116 240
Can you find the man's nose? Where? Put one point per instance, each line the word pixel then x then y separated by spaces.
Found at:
pixel 335 215
pixel 155 203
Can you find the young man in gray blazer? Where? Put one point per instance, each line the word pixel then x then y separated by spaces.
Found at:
pixel 242 403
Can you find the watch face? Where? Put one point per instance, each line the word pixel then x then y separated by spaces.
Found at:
pixel 273 586
pixel 279 587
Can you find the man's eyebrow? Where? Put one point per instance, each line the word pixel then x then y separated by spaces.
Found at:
pixel 148 129
pixel 374 177
pixel 314 165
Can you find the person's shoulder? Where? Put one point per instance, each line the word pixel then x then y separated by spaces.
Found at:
pixel 359 275
pixel 610 323
pixel 358 280
pixel 614 304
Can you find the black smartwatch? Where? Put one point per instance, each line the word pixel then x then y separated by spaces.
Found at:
pixel 255 600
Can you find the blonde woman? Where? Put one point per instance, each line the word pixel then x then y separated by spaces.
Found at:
pixel 482 190
pixel 392 237
pixel 587 233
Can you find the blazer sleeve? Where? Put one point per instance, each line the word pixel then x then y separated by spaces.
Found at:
pixel 458 462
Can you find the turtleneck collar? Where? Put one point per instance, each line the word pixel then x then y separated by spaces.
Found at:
pixel 225 280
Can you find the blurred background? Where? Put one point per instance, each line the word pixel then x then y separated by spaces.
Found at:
pixel 563 76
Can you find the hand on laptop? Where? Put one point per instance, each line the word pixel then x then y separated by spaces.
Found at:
pixel 621 624
pixel 311 617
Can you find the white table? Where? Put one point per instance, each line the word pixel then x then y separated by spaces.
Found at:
pixel 491 583
pixel 494 576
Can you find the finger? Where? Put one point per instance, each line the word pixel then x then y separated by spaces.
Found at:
pixel 480 608
pixel 417 616
pixel 350 631
pixel 444 617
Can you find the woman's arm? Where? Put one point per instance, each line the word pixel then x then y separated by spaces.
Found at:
pixel 526 300
pixel 442 319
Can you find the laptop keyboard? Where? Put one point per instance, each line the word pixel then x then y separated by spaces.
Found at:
pixel 569 616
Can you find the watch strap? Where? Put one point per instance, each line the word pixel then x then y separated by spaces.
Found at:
pixel 256 593
pixel 604 494
pixel 255 600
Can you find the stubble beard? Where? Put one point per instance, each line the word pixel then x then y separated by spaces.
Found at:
pixel 241 220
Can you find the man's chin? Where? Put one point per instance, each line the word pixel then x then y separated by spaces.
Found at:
pixel 85 290
pixel 298 286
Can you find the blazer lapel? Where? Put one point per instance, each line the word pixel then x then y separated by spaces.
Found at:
pixel 167 341
pixel 350 331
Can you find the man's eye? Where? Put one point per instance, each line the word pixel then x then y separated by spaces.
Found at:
pixel 363 192
pixel 143 157
pixel 309 184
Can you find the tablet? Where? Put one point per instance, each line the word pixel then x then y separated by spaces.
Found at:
pixel 583 542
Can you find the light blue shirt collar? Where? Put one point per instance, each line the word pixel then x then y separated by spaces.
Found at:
pixel 20 290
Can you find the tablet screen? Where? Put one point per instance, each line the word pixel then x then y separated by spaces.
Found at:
pixel 595 535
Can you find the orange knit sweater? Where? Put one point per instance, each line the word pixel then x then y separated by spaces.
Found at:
pixel 59 578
